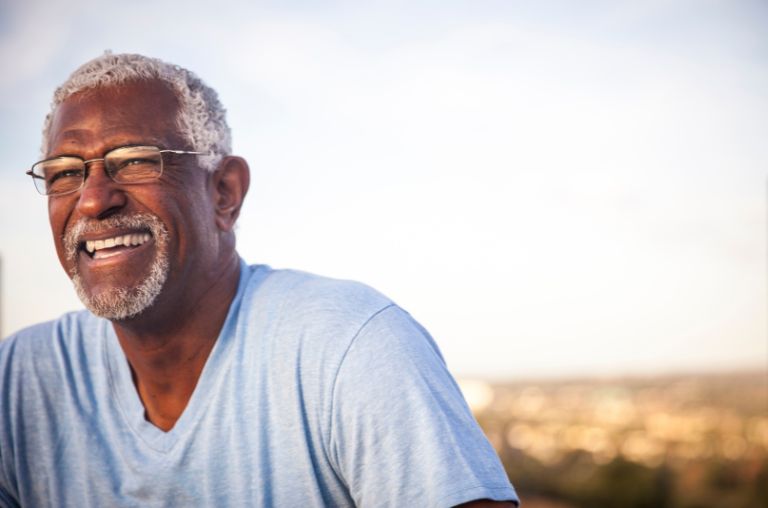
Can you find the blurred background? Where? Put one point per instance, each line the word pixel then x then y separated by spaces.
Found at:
pixel 570 196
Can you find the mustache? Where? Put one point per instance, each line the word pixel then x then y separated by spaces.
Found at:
pixel 136 221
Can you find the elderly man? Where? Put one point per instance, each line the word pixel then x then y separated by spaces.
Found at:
pixel 195 379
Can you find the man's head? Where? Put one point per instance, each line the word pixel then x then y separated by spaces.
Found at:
pixel 201 118
pixel 155 244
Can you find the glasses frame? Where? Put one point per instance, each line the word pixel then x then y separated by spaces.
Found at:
pixel 34 176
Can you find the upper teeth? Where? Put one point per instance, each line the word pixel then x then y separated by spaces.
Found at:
pixel 127 240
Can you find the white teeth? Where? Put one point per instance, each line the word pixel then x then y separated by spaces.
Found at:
pixel 127 240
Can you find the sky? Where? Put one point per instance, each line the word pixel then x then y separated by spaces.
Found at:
pixel 552 188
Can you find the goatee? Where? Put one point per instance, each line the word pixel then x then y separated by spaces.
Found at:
pixel 120 303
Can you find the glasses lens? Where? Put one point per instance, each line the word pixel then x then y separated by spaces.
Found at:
pixel 134 164
pixel 59 175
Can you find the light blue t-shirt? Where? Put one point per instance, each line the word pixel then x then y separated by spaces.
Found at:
pixel 317 393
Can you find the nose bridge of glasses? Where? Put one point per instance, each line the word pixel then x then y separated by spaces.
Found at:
pixel 91 161
pixel 88 163
pixel 104 164
pixel 99 193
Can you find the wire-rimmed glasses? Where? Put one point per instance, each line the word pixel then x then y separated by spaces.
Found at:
pixel 124 165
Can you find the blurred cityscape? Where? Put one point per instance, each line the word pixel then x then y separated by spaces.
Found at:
pixel 678 441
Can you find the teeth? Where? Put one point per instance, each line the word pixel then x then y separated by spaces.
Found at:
pixel 128 240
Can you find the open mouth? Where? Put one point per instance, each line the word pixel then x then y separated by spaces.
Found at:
pixel 115 245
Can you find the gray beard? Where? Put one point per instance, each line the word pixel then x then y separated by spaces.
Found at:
pixel 119 303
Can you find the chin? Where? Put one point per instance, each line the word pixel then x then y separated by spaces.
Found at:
pixel 117 304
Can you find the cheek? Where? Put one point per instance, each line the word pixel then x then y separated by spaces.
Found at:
pixel 58 213
pixel 192 204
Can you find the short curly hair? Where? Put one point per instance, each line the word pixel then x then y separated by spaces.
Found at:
pixel 201 118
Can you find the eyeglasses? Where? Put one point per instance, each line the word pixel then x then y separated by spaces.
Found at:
pixel 124 165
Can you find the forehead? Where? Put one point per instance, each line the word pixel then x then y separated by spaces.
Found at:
pixel 100 118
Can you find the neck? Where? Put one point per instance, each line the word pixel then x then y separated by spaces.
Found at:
pixel 168 350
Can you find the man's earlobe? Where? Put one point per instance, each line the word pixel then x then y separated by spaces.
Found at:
pixel 230 185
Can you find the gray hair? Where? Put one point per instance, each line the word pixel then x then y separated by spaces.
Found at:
pixel 201 118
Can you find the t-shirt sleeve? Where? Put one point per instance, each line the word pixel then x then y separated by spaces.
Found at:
pixel 401 432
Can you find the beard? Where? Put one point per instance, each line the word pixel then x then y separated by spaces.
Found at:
pixel 120 303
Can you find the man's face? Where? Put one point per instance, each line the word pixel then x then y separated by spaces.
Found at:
pixel 164 232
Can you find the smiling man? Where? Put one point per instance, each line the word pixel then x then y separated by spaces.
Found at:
pixel 194 379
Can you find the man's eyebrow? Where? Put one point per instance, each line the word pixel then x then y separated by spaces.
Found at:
pixel 117 143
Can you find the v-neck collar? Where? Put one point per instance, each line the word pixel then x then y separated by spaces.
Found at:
pixel 127 397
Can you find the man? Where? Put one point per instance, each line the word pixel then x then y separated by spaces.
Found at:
pixel 195 379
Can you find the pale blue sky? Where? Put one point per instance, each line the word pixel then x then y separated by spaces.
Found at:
pixel 551 187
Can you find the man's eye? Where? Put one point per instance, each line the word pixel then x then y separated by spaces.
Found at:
pixel 64 174
pixel 135 162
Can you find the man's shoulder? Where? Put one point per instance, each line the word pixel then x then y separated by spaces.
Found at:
pixel 37 340
pixel 303 293
pixel 299 314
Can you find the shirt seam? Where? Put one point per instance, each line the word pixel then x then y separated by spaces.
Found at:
pixel 329 437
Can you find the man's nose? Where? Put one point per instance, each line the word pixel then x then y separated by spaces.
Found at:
pixel 100 196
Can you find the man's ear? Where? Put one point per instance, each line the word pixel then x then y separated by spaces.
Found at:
pixel 230 184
